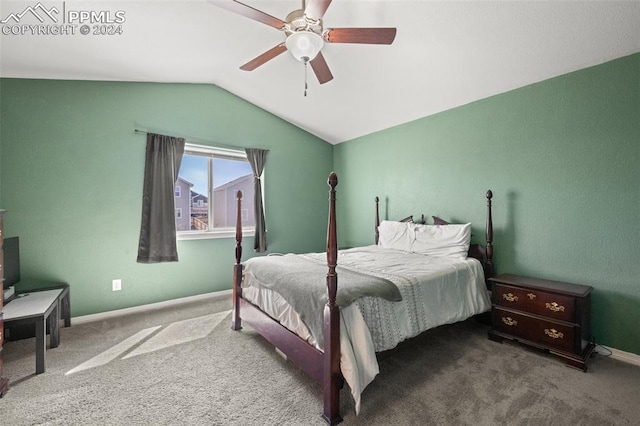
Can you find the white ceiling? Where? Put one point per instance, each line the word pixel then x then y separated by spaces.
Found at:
pixel 446 53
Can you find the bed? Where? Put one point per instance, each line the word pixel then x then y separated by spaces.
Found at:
pixel 393 290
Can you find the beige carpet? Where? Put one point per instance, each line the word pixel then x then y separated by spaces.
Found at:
pixel 184 366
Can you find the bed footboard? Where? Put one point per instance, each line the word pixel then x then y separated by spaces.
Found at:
pixel 323 366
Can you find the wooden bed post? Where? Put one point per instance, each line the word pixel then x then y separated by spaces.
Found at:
pixel 237 268
pixel 331 359
pixel 489 235
pixel 377 219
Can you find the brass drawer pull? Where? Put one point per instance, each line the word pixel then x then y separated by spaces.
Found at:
pixel 510 297
pixel 509 321
pixel 555 307
pixel 553 333
pixel 531 296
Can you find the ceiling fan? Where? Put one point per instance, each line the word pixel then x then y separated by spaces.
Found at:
pixel 306 35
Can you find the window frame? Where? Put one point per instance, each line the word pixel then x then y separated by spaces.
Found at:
pixel 216 152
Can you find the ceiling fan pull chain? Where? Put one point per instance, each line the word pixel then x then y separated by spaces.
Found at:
pixel 305 78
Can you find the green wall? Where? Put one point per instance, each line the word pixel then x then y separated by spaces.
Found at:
pixel 561 157
pixel 563 160
pixel 72 171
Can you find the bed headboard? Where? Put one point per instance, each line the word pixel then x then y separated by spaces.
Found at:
pixel 483 253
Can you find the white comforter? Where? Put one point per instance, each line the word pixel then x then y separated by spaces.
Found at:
pixel 435 291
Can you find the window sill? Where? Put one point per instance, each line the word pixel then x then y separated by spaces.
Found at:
pixel 210 235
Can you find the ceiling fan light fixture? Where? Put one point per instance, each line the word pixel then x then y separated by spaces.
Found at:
pixel 304 45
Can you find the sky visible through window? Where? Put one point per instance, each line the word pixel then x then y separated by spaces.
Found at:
pixel 194 170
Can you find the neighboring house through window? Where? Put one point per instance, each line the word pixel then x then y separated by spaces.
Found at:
pixel 212 177
pixel 182 205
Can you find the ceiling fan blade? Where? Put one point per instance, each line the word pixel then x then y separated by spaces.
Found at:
pixel 249 12
pixel 266 56
pixel 360 35
pixel 321 69
pixel 316 8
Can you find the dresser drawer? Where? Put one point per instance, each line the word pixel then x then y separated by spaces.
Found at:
pixel 551 305
pixel 548 333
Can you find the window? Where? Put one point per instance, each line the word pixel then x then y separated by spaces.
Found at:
pixel 214 176
pixel 177 192
pixel 178 213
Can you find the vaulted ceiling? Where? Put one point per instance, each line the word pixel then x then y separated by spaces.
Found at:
pixel 446 53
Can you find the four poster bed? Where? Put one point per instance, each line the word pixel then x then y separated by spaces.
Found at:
pixel 415 278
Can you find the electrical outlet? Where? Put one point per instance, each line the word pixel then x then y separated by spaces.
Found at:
pixel 116 285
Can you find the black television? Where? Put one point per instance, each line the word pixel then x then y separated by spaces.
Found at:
pixel 11 249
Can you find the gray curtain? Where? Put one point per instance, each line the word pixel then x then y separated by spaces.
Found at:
pixel 258 158
pixel 158 228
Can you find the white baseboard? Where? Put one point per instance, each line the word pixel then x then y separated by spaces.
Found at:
pixel 150 307
pixel 623 356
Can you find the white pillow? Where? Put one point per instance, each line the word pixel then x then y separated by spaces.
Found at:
pixel 442 240
pixel 395 235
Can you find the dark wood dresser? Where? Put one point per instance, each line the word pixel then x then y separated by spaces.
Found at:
pixel 551 315
pixel 4 383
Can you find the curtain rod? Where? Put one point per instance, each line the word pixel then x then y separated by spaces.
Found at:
pixel 208 143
